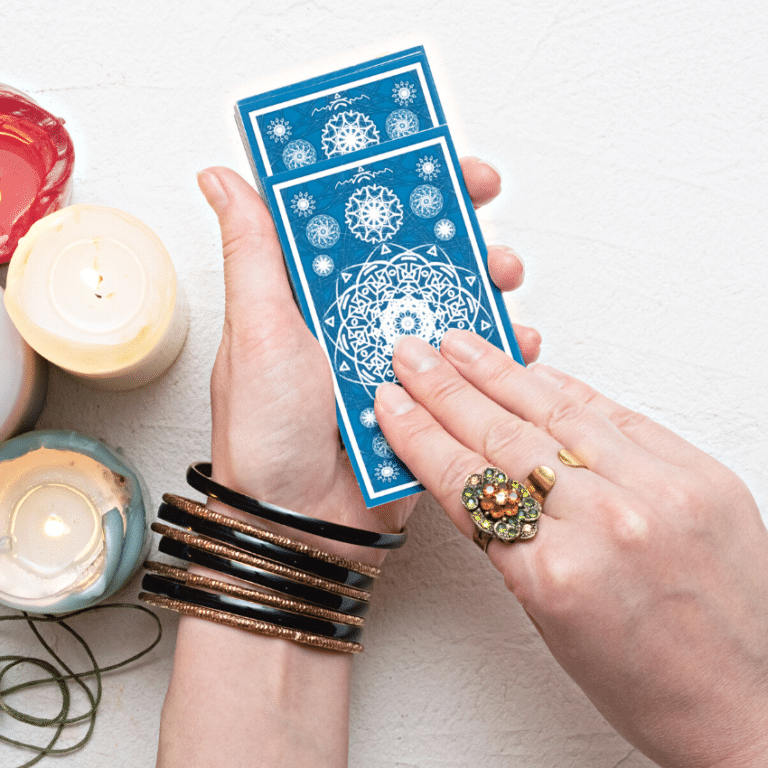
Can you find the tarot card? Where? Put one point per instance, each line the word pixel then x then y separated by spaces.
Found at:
pixel 340 113
pixel 380 244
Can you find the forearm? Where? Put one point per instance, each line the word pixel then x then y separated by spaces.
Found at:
pixel 238 699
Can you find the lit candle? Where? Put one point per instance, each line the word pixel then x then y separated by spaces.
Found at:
pixel 73 522
pixel 93 290
pixel 23 380
pixel 36 163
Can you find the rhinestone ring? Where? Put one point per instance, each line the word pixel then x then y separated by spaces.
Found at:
pixel 505 509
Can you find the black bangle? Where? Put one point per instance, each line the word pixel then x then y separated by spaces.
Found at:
pixel 172 514
pixel 199 477
pixel 161 585
pixel 340 603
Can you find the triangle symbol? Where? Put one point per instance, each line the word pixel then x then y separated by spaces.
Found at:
pixel 484 325
pixel 386 249
pixel 471 279
pixel 346 276
pixel 344 367
pixel 331 321
pixel 432 251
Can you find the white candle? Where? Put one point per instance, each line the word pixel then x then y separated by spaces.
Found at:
pixel 73 523
pixel 23 380
pixel 94 291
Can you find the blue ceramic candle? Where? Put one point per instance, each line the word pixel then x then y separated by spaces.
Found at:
pixel 73 522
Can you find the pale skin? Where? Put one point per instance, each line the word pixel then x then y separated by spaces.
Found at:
pixel 237 699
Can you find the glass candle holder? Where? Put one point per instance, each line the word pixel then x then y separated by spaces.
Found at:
pixel 73 522
pixel 37 158
pixel 23 380
pixel 93 290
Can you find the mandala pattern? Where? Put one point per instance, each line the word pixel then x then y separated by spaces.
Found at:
pixel 303 204
pixel 426 201
pixel 348 132
pixel 401 122
pixel 323 231
pixel 374 214
pixel 381 447
pixel 386 471
pixel 368 418
pixel 445 229
pixel 428 168
pixel 397 291
pixel 404 93
pixel 299 153
pixel 322 265
pixel 279 130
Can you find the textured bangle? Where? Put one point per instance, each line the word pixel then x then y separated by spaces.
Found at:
pixel 219 527
pixel 223 563
pixel 199 477
pixel 249 625
pixel 161 585
pixel 250 594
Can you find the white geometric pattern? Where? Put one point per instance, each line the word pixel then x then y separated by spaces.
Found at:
pixel 374 213
pixel 348 132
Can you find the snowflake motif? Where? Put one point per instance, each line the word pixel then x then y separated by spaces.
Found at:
pixel 404 93
pixel 323 231
pixel 374 214
pixel 279 130
pixel 445 229
pixel 322 265
pixel 426 201
pixel 386 471
pixel 299 153
pixel 348 132
pixel 401 122
pixel 428 168
pixel 407 316
pixel 368 418
pixel 303 204
pixel 381 447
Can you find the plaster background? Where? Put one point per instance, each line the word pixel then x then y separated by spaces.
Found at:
pixel 632 140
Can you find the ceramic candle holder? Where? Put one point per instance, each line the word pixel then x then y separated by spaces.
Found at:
pixel 93 290
pixel 36 163
pixel 73 522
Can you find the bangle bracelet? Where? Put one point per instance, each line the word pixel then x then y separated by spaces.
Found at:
pixel 225 564
pixel 199 522
pixel 250 594
pixel 161 585
pixel 199 477
pixel 249 625
pixel 210 545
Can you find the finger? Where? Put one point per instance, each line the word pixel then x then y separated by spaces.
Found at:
pixel 581 429
pixel 529 341
pixel 254 272
pixel 482 180
pixel 653 437
pixel 505 268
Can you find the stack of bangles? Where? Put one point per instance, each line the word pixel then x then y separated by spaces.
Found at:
pixel 285 588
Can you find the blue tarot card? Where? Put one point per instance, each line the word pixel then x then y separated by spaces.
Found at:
pixel 380 244
pixel 340 113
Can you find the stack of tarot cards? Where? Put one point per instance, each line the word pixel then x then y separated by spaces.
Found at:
pixel 379 234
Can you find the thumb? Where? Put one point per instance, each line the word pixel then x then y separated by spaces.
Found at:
pixel 255 279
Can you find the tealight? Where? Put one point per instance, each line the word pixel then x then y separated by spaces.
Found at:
pixel 23 380
pixel 73 522
pixel 94 291
pixel 36 163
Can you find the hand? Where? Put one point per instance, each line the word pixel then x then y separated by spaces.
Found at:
pixel 648 578
pixel 274 420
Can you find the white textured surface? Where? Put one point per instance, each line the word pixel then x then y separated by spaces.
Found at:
pixel 633 141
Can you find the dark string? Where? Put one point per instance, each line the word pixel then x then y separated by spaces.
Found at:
pixel 62 679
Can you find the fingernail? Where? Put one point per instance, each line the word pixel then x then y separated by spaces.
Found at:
pixel 549 374
pixel 393 399
pixel 415 354
pixel 213 190
pixel 514 253
pixel 463 346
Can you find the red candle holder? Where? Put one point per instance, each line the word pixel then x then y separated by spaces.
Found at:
pixel 37 158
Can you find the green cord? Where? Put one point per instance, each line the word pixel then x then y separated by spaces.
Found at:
pixel 61 679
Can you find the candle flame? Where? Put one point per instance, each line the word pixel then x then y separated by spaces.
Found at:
pixel 54 527
pixel 91 278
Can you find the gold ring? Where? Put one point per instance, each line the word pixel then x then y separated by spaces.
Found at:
pixel 570 459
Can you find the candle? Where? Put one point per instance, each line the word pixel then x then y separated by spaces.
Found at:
pixel 73 522
pixel 23 380
pixel 93 290
pixel 36 163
